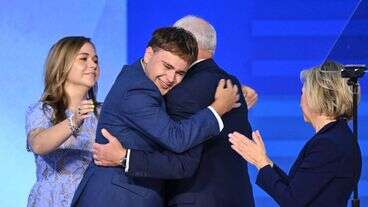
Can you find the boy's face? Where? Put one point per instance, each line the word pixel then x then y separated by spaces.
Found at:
pixel 164 68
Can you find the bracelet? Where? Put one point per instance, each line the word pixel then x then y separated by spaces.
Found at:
pixel 72 126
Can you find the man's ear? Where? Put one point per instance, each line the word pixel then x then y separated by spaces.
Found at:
pixel 148 54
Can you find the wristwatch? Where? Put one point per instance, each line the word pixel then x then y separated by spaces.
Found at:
pixel 124 160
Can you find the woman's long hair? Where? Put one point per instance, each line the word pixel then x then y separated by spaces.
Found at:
pixel 57 66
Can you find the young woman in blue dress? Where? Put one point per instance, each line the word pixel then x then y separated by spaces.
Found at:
pixel 61 126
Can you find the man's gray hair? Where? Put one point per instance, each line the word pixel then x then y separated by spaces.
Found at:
pixel 202 30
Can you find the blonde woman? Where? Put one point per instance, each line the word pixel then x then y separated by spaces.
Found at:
pixel 61 127
pixel 329 165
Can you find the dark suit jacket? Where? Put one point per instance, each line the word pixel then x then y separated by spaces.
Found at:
pixel 135 112
pixel 323 174
pixel 222 177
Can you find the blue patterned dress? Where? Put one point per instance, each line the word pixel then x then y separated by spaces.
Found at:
pixel 59 172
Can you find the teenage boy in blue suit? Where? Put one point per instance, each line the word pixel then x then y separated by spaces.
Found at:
pixel 221 174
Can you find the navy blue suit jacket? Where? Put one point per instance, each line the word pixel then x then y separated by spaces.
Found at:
pixel 323 174
pixel 134 111
pixel 219 176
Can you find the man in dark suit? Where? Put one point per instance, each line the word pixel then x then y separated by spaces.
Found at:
pixel 221 174
pixel 135 112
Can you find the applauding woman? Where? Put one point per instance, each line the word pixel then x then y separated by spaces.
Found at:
pixel 329 165
pixel 61 126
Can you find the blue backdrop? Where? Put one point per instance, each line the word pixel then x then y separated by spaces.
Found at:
pixel 264 43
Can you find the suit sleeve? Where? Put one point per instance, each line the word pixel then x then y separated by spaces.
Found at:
pixel 315 171
pixel 167 164
pixel 144 111
pixel 164 164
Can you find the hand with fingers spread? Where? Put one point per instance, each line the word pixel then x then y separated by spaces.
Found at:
pixel 82 112
pixel 226 97
pixel 251 150
pixel 110 154
pixel 250 96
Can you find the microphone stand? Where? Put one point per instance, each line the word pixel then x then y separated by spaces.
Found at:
pixel 355 202
pixel 353 72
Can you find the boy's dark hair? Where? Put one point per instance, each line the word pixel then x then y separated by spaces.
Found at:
pixel 177 41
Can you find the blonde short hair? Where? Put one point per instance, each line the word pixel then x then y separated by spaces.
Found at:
pixel 202 30
pixel 327 92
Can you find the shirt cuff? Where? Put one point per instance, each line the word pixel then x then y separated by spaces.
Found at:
pixel 219 120
pixel 127 161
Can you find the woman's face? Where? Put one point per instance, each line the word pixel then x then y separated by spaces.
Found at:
pixel 307 113
pixel 85 70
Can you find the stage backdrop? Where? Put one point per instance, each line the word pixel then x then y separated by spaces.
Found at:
pixel 264 43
